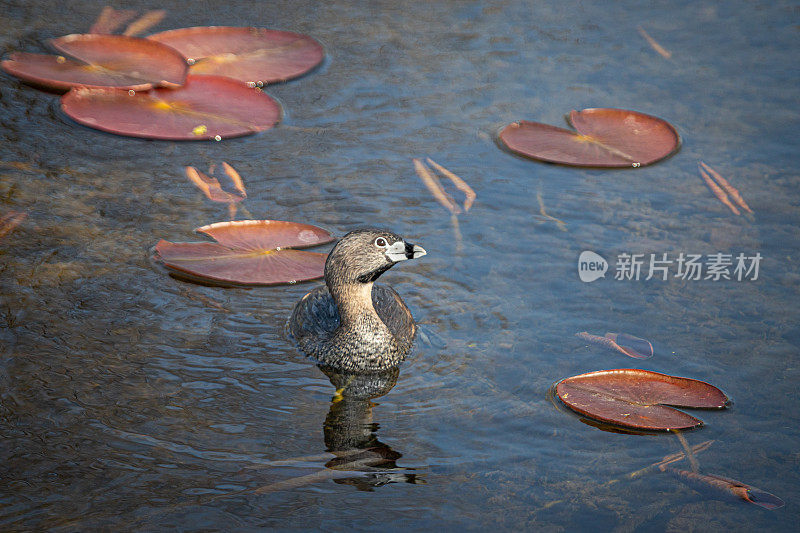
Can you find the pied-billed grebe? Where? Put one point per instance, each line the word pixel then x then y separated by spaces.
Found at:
pixel 349 324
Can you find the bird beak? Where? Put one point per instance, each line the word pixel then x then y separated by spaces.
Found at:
pixel 400 251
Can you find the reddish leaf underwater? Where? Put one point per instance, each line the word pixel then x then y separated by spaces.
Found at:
pixel 727 487
pixel 622 342
pixel 213 189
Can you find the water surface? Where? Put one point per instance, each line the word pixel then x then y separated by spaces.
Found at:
pixel 130 400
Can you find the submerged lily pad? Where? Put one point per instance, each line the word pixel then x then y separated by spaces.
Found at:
pixel 101 61
pixel 639 399
pixel 207 107
pixel 253 55
pixel 248 252
pixel 603 137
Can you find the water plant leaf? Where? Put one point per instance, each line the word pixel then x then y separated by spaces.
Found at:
pixel 639 399
pixel 253 55
pixel 212 188
pixel 726 487
pixel 722 188
pixel 110 19
pixel 97 60
pixel 435 187
pixel 206 107
pixel 145 22
pixel 663 52
pixel 248 252
pixel 461 185
pixel 622 342
pixel 10 220
pixel 603 137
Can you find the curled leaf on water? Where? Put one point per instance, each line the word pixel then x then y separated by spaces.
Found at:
pixel 247 252
pixel 10 220
pixel 603 137
pixel 726 487
pixel 622 342
pixel 98 60
pixel 206 107
pixel 639 399
pixel 253 55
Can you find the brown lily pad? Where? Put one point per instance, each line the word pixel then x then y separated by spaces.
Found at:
pixel 206 107
pixel 603 137
pixel 98 60
pixel 639 399
pixel 253 55
pixel 248 252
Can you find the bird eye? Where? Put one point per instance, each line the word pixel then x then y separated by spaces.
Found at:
pixel 380 242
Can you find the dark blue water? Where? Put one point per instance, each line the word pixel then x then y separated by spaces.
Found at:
pixel 133 401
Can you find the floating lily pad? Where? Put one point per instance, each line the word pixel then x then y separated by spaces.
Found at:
pixel 101 61
pixel 639 399
pixel 253 55
pixel 207 107
pixel 248 252
pixel 602 138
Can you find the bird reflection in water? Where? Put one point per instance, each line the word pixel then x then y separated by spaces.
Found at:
pixel 351 434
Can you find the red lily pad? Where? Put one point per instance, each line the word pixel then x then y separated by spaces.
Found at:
pixel 248 252
pixel 207 107
pixel 253 55
pixel 101 61
pixel 603 137
pixel 639 399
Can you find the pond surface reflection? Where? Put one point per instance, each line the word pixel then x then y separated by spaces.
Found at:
pixel 130 400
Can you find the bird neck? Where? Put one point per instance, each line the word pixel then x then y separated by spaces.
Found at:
pixel 354 301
